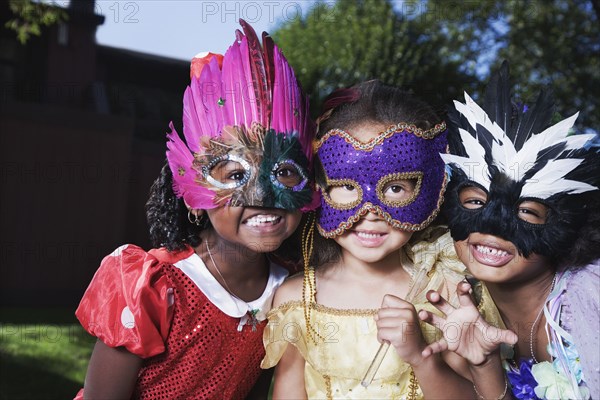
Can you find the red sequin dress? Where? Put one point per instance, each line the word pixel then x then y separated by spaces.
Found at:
pixel 197 341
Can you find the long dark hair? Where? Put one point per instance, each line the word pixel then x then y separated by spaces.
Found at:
pixel 585 246
pixel 167 216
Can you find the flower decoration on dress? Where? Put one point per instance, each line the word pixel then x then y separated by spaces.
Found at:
pixel 562 378
pixel 521 380
pixel 248 134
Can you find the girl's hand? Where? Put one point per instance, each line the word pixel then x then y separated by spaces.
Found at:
pixel 465 331
pixel 398 323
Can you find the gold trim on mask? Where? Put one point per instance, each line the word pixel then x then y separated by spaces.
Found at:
pixel 368 206
pixel 370 145
pixel 342 182
pixel 397 176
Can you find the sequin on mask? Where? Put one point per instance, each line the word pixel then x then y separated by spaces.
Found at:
pixel 400 153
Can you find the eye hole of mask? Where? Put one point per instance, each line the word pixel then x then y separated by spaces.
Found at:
pixel 228 172
pixel 533 212
pixel 399 189
pixel 343 192
pixel 472 197
pixel 288 174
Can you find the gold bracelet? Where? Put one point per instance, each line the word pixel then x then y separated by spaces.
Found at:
pixel 497 398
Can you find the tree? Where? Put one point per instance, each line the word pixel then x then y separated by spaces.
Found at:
pixel 441 48
pixel 549 43
pixel 337 45
pixel 29 17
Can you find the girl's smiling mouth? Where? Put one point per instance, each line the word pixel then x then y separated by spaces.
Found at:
pixel 490 253
pixel 369 238
pixel 263 220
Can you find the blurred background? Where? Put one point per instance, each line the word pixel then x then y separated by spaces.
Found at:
pixel 87 89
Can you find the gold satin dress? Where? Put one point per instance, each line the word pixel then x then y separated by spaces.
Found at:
pixel 340 352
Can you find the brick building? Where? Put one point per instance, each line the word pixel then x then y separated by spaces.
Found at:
pixel 82 137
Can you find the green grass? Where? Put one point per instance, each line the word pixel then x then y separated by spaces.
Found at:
pixel 43 354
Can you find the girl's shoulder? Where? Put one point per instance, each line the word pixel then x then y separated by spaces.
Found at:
pixel 128 302
pixel 131 257
pixel 582 286
pixel 290 290
pixel 588 274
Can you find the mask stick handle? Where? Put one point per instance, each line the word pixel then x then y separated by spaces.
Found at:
pixel 384 347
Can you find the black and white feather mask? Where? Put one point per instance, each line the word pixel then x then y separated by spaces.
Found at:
pixel 512 154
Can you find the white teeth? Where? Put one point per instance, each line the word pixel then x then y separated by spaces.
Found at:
pixel 490 251
pixel 258 220
pixel 368 235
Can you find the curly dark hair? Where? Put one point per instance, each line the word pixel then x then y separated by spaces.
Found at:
pixel 585 246
pixel 167 216
pixel 367 102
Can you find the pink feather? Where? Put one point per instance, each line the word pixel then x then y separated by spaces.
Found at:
pixel 192 125
pixel 235 84
pixel 184 176
pixel 254 85
pixel 248 97
pixel 259 74
pixel 268 48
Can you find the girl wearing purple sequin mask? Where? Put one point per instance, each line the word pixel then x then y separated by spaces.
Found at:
pixel 374 257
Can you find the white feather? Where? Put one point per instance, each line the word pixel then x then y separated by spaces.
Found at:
pixel 475 171
pixel 574 142
pixel 477 116
pixel 550 180
pixel 503 150
pixel 565 186
pixel 536 143
pixel 546 182
pixel 474 166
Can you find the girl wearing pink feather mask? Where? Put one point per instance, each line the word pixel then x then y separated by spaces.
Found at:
pixel 185 320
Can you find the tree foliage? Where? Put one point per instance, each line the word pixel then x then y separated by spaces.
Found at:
pixel 29 17
pixel 549 43
pixel 337 45
pixel 440 48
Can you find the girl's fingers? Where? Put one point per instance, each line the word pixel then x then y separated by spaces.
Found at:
pixel 435 348
pixel 508 337
pixel 387 334
pixel 391 301
pixel 463 290
pixel 431 318
pixel 439 302
pixel 394 313
pixel 397 323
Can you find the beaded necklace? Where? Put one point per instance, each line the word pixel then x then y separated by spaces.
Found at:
pixel 252 312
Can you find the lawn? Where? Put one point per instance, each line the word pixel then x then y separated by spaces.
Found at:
pixel 43 354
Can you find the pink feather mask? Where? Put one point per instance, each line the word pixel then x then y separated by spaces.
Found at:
pixel 247 131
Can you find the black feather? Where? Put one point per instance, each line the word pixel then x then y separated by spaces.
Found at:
pixel 542 158
pixel 455 121
pixel 533 121
pixel 518 124
pixel 497 103
pixel 486 140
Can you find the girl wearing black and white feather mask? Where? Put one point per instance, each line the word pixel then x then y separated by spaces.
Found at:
pixel 523 209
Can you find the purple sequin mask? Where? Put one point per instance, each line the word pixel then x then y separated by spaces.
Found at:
pixel 373 176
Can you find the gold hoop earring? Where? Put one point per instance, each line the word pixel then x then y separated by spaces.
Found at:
pixel 196 221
